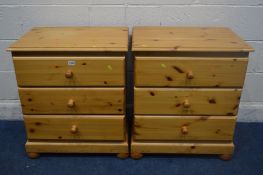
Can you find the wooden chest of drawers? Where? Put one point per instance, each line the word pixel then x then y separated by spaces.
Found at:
pixel 72 89
pixel 188 84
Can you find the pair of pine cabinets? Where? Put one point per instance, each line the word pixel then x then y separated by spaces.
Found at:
pixel 187 87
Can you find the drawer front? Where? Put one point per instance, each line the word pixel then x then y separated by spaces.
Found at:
pixel 61 71
pixel 72 100
pixel 190 71
pixel 184 127
pixel 75 127
pixel 183 101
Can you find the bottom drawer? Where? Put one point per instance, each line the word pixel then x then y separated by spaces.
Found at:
pixel 184 127
pixel 75 127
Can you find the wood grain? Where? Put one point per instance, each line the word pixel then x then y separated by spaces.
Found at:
pixel 182 148
pixel 87 127
pixel 174 71
pixel 204 128
pixel 77 147
pixel 172 101
pixel 85 100
pixel 73 39
pixel 86 71
pixel 199 39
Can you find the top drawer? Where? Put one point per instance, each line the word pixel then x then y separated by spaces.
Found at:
pixel 190 71
pixel 70 71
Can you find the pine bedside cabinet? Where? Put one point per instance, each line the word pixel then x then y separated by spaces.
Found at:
pixel 188 82
pixel 71 86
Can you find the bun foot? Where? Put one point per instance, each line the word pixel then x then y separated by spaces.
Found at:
pixel 136 156
pixel 123 155
pixel 225 157
pixel 33 155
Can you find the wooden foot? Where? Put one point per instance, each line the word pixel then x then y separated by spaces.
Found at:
pixel 33 155
pixel 136 156
pixel 225 157
pixel 123 155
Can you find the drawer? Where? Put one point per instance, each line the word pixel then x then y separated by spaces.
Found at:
pixel 190 71
pixel 207 128
pixel 70 71
pixel 72 100
pixel 186 101
pixel 75 127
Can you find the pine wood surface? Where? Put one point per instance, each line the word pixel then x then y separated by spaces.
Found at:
pixel 77 147
pixel 86 71
pixel 200 39
pixel 212 128
pixel 182 148
pixel 75 127
pixel 175 71
pixel 73 39
pixel 72 100
pixel 186 101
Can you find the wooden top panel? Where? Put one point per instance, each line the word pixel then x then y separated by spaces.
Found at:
pixel 73 39
pixel 196 39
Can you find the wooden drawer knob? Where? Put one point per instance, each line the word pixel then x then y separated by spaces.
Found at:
pixel 74 129
pixel 186 104
pixel 189 75
pixel 71 103
pixel 184 130
pixel 69 74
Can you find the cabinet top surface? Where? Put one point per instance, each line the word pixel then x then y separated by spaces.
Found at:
pixel 73 39
pixel 196 39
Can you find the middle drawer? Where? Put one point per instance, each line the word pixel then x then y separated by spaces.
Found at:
pixel 186 101
pixel 72 100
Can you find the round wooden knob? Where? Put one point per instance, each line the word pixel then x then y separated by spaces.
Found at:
pixel 69 74
pixel 190 75
pixel 186 104
pixel 71 103
pixel 184 130
pixel 74 129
